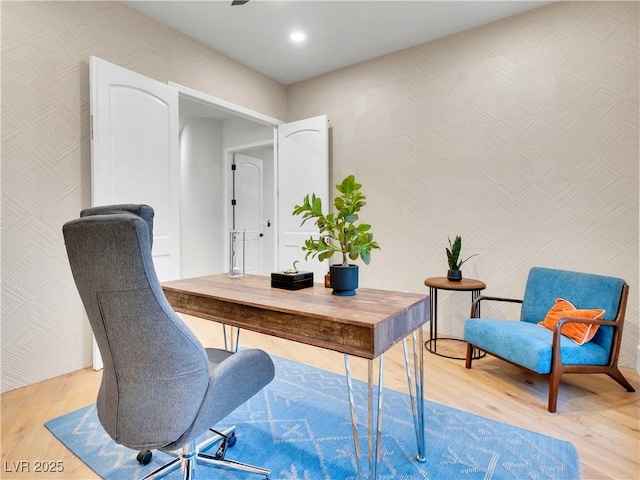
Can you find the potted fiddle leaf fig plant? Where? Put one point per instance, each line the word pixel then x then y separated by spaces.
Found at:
pixel 453 257
pixel 340 233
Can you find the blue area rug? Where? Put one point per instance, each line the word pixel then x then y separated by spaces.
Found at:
pixel 300 428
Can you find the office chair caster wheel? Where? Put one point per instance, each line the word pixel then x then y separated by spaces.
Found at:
pixel 144 458
pixel 228 441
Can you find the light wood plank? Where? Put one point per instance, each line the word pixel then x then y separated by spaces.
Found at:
pixel 594 413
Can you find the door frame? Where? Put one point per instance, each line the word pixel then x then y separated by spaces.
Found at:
pixel 248 114
pixel 238 111
pixel 226 106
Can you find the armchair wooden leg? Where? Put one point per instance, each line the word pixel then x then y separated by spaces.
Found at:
pixel 618 377
pixel 554 386
pixel 469 357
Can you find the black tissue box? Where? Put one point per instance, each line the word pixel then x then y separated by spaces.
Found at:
pixel 292 281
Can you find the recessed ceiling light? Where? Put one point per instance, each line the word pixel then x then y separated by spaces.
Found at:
pixel 297 37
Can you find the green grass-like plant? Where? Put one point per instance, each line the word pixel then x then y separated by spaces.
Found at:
pixel 453 254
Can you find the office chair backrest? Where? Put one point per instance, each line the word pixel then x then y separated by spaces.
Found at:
pixel 150 357
pixel 143 211
pixel 583 290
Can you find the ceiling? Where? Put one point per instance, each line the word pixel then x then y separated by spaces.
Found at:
pixel 339 33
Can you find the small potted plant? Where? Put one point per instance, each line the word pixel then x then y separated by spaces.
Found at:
pixel 453 254
pixel 340 233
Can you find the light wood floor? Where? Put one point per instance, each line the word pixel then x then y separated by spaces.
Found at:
pixel 594 413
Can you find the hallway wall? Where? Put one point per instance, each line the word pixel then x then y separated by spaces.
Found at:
pixel 202 214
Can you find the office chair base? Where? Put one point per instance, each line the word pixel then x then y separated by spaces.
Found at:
pixel 227 436
pixel 226 464
pixel 191 455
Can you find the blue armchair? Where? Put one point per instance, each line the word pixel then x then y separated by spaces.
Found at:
pixel 548 352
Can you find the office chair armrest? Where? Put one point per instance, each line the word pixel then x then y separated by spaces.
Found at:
pixel 475 305
pixel 244 373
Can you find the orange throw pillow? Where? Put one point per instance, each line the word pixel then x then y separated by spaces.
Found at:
pixel 580 333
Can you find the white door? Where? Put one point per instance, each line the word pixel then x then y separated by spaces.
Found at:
pixel 248 182
pixel 134 155
pixel 303 168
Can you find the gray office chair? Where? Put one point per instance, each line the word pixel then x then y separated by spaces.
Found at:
pixel 160 388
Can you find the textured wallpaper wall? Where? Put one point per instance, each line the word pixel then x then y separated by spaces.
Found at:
pixel 46 156
pixel 521 136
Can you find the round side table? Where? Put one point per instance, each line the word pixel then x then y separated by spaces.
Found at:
pixel 442 283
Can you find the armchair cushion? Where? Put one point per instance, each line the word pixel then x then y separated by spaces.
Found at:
pixel 580 333
pixel 505 338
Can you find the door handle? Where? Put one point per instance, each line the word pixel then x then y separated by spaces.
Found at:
pixel 261 235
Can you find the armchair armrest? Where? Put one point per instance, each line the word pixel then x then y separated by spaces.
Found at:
pixel 588 321
pixel 475 305
pixel 564 320
pixel 555 344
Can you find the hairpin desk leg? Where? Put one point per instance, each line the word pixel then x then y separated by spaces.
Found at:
pixel 374 411
pixel 416 388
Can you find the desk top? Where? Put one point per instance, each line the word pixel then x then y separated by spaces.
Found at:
pixel 466 284
pixel 365 325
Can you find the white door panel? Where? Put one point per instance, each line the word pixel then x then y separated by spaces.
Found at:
pixel 134 153
pixel 248 180
pixel 303 168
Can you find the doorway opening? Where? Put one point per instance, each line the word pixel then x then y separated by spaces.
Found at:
pixel 176 163
pixel 212 140
pixel 252 205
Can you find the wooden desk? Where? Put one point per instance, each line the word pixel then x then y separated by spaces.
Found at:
pixel 365 325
